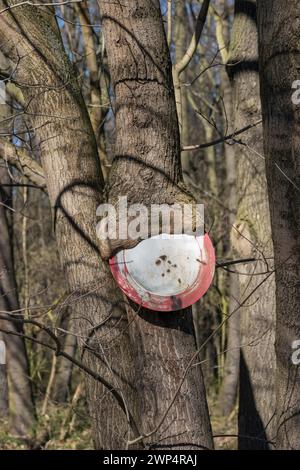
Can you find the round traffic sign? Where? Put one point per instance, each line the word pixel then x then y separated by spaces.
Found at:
pixel 165 272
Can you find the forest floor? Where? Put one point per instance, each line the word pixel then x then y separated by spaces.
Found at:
pixel 224 428
pixel 65 428
pixel 62 427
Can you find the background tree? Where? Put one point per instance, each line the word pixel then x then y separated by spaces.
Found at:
pixel 279 68
pixel 252 238
pixel 20 389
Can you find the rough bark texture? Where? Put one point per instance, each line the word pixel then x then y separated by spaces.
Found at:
pixel 74 182
pixel 147 169
pixel 252 237
pixel 163 345
pixel 279 49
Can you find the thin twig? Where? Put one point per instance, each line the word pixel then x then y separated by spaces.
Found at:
pixel 221 139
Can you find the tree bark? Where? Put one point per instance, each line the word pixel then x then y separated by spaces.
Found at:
pixel 279 48
pixel 63 377
pixel 147 160
pixel 252 237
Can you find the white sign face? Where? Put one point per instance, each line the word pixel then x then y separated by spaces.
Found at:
pixel 2 92
pixel 2 352
pixel 164 266
pixel 165 272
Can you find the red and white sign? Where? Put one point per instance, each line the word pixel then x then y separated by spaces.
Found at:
pixel 166 272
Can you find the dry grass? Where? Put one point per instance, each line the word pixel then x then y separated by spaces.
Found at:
pixel 224 428
pixel 59 430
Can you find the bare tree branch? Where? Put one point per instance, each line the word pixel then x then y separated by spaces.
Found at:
pixel 20 159
pixel 221 139
pixel 200 22
pixel 28 2
pixel 59 352
pixel 180 66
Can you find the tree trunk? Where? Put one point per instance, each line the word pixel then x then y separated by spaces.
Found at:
pixel 252 237
pixel 229 389
pixel 72 170
pixel 63 377
pixel 279 48
pixel 147 160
